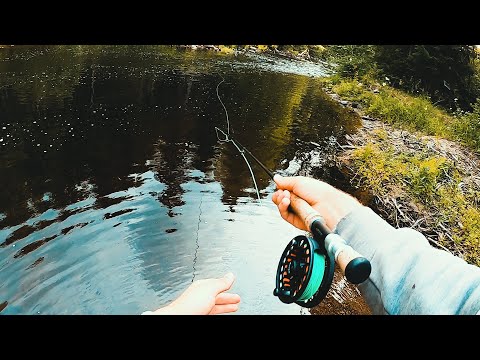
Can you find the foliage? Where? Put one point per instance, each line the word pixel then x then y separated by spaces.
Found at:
pixel 445 72
pixel 351 61
pixel 396 107
pixel 448 74
pixel 467 127
pixel 416 113
pixel 430 182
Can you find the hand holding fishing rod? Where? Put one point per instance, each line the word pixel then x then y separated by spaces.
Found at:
pixel 306 268
pixel 354 266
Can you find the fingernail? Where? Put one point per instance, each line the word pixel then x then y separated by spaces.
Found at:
pixel 229 276
pixel 276 177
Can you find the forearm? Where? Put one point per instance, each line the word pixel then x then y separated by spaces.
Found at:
pixel 408 275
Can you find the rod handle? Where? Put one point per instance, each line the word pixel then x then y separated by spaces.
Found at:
pixel 303 209
pixel 354 266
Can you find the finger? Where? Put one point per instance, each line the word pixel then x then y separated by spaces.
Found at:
pixel 223 309
pixel 283 208
pixel 286 183
pixel 280 197
pixel 275 196
pixel 307 188
pixel 287 215
pixel 227 298
pixel 223 283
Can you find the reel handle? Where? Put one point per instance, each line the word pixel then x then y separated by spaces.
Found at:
pixel 354 266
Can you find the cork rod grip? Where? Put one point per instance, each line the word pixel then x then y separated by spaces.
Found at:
pixel 353 265
pixel 303 209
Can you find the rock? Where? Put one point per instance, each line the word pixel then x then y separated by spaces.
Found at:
pixel 344 102
pixel 212 47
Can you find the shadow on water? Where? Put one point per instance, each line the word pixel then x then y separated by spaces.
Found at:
pixel 116 193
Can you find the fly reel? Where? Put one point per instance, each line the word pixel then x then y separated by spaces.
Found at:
pixel 305 272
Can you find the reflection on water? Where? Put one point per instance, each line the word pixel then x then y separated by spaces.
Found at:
pixel 116 193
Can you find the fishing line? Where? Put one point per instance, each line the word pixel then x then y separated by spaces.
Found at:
pixel 305 272
pixel 316 277
pixel 196 239
pixel 221 102
pixel 229 139
pixel 92 86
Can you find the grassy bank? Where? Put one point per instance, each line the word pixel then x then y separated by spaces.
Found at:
pixel 440 188
pixel 409 112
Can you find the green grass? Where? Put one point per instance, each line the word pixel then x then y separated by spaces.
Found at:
pixel 413 113
pixel 467 127
pixel 430 182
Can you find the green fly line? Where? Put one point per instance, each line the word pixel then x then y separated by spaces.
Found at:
pixel 318 270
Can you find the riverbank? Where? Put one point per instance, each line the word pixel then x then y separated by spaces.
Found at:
pixel 411 179
pixel 299 52
pixel 425 182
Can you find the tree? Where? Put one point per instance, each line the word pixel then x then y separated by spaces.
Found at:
pixel 444 72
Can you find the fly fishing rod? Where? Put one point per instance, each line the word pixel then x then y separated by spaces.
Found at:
pixel 306 267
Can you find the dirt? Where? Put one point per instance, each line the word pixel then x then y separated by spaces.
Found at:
pixel 344 298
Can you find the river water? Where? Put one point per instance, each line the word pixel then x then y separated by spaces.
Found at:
pixel 115 193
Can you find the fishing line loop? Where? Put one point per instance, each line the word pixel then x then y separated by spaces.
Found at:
pixel 228 139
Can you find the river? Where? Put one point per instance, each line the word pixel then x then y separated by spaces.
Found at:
pixel 115 190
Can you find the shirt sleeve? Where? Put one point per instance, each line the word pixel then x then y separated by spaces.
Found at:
pixel 409 276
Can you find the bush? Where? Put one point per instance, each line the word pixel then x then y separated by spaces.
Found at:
pixel 467 128
pixel 351 61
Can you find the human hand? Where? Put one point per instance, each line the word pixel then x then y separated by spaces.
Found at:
pixel 331 203
pixel 203 297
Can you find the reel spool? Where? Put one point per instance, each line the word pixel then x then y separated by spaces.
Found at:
pixel 304 273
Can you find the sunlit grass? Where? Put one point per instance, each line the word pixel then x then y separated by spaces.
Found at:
pixel 430 182
pixel 414 113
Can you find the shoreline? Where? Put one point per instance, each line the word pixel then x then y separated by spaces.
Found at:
pixel 256 49
pixel 398 209
pixel 395 207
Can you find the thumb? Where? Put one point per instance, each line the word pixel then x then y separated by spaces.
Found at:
pixel 225 282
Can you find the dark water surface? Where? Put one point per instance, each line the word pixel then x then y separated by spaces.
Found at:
pixel 114 190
